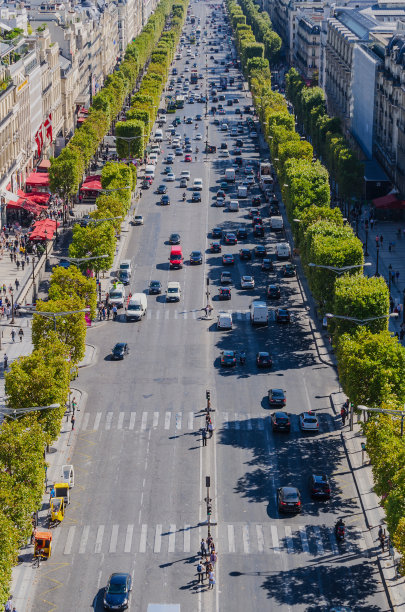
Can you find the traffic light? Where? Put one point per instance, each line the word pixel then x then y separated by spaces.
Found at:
pixel 208 394
pixel 209 509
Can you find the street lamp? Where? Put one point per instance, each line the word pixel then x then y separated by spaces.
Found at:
pixel 79 260
pixel 17 412
pixel 337 270
pixel 53 315
pixel 403 306
pixel 397 413
pixel 376 265
pixel 366 249
pixel 389 278
pixel 392 315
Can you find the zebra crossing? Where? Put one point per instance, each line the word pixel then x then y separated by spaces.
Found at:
pixel 142 421
pixel 240 539
pixel 174 314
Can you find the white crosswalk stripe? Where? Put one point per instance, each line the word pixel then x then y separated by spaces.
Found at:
pixel 241 539
pixel 174 314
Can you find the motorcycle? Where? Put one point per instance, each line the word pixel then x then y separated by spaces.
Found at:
pixel 242 358
pixel 340 531
pixel 184 197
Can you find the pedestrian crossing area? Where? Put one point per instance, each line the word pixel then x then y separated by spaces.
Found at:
pixel 241 539
pixel 143 421
pixel 174 314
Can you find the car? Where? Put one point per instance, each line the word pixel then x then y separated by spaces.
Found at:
pixel 196 257
pixel 273 292
pixel 228 259
pixel 224 293
pixel 221 193
pixel 185 174
pixel 174 239
pixel 187 140
pixel 124 277
pixel 178 151
pixel 224 320
pixel 183 183
pixel 145 185
pixel 258 231
pixel 173 292
pixel 161 189
pixel 215 247
pixel 245 254
pixel 277 397
pixel 247 282
pixel 288 499
pixel 319 486
pixel 226 278
pixel 267 265
pixel 230 238
pixel 189 120
pixel 228 359
pixel 219 202
pixel 188 158
pixel 117 591
pixel 155 287
pixel 119 351
pixel 264 360
pixel 188 149
pixel 196 197
pixel 289 270
pixel 170 176
pixel 282 315
pixel 165 200
pixel 241 233
pixel 216 232
pixel 280 421
pixel 260 251
pixel 198 117
pixel 223 153
pixel 309 421
pixel 198 136
pixel 169 159
pixel 237 152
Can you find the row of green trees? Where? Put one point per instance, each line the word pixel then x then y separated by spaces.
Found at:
pixel 43 377
pixel 371 361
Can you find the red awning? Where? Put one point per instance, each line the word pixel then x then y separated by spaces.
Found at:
pixel 92 183
pixel 28 205
pixel 44 165
pixel 38 179
pixel 39 197
pixel 43 230
pixel 390 202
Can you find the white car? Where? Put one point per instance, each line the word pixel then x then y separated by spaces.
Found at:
pixel 250 180
pixel 224 320
pixel 309 421
pixel 170 177
pixel 185 174
pixel 198 136
pixel 138 220
pixel 223 153
pixel 153 158
pixel 247 282
pixel 219 202
pixel 224 127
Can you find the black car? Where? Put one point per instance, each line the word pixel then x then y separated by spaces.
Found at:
pixel 224 293
pixel 120 350
pixel 263 360
pixel 260 251
pixel 196 197
pixel 319 486
pixel 215 247
pixel 273 292
pixel 195 257
pixel 267 265
pixel 282 315
pixel 288 499
pixel 242 233
pixel 117 592
pixel 228 359
pixel 256 201
pixel 230 238
pixel 277 397
pixel 165 200
pixel 216 232
pixel 245 254
pixel 258 231
pixel 174 239
pixel 280 421
pixel 123 277
pixel 155 287
pixel 289 270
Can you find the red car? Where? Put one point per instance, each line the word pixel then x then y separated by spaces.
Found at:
pixel 188 158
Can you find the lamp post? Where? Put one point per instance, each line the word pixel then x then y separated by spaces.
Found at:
pixel 53 315
pixel 392 315
pixel 46 244
pixel 366 250
pixel 341 270
pixel 19 412
pixel 12 308
pixel 376 265
pixel 389 278
pixel 394 413
pixel 403 306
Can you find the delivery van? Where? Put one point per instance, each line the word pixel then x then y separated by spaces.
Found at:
pixel 283 250
pixel 176 257
pixel 233 206
pixel 158 136
pixel 150 171
pixel 136 308
pixel 259 314
pixel 117 295
pixel 276 224
pixel 242 191
pixel 230 175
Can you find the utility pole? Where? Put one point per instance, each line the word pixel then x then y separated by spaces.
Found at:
pixel 208 501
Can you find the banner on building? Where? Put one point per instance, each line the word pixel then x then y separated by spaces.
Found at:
pixel 44 135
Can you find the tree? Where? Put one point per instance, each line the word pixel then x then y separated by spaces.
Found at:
pixel 65 173
pixel 130 138
pixel 8 554
pixel 68 282
pixel 92 241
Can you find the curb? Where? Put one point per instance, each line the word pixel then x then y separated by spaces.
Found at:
pixel 83 364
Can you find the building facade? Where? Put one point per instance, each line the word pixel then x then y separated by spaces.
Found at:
pixel 307 48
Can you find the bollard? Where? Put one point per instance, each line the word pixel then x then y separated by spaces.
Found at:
pixel 363 450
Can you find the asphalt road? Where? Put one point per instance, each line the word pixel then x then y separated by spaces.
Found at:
pixel 138 504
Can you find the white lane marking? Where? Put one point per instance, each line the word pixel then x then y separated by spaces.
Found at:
pixel 245 539
pixel 99 539
pixel 237 422
pixel 190 420
pixel 83 540
pixel 248 422
pixel 158 314
pixel 113 539
pixel 185 315
pixel 167 314
pixel 304 539
pixel 144 534
pixel 167 420
pixel 194 314
pixel 187 539
pixel 288 539
pixel 155 419
pixel 86 420
pixel 144 421
pixel 97 421
pixel 318 541
pixel 148 315
pixel 172 538
pixel 226 422
pixel 260 538
pixel 178 420
pixel 274 537
pixel 120 420
pixel 108 420
pixel 158 539
pixel 132 420
pixel 231 539
pixel 69 541
pixel 128 539
pixel 176 314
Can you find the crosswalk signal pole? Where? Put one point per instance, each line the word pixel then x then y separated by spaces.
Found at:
pixel 208 396
pixel 208 501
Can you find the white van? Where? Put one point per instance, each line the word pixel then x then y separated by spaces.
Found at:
pixel 159 135
pixel 276 224
pixel 197 184
pixel 173 292
pixel 150 171
pixel 117 295
pixel 233 206
pixel 230 175
pixel 126 265
pixel 153 158
pixel 283 250
pixel 259 314
pixel 242 191
pixel 136 308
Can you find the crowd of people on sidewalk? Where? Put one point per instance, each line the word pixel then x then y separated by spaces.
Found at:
pixel 207 563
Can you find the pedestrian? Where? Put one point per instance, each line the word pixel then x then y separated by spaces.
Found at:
pixel 52 493
pixel 103 313
pixel 371 224
pixel 5 361
pixel 343 415
pixel 74 404
pixel 207 420
pixel 402 334
pixel 73 420
pixel 22 265
pixel 211 580
pixel 204 437
pixel 208 568
pixel 381 537
pixel 8 605
pixel 210 428
pixel 213 557
pixel 381 240
pixel 200 572
pixel 18 264
pixel 13 335
pixel 21 333
pixel 203 548
pixel 397 276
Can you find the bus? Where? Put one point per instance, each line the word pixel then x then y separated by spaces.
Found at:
pixel 180 101
pixel 171 105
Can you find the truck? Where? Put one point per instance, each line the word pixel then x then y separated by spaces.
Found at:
pixel 242 191
pixel 276 224
pixel 283 250
pixel 230 175
pixel 194 77
pixel 265 176
pixel 176 257
pixel 259 314
pixel 223 83
pixel 117 295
